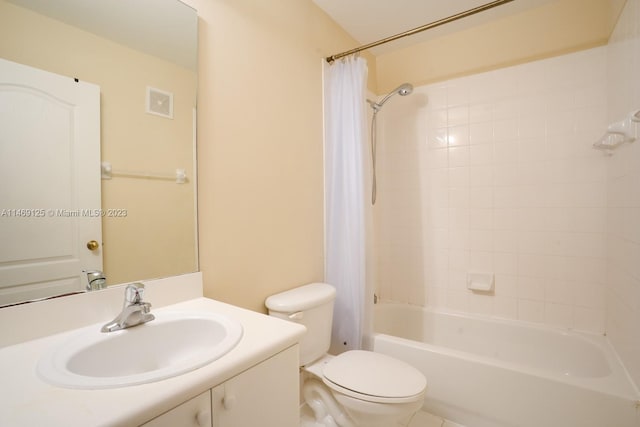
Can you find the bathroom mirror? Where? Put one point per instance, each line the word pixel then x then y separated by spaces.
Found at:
pixel 143 56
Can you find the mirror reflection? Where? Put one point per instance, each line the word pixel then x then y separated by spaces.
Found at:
pixel 125 207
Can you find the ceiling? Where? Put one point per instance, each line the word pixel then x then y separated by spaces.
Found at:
pixel 371 20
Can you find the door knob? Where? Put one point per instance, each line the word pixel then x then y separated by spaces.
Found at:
pixel 92 245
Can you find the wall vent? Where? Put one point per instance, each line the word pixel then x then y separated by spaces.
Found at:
pixel 159 102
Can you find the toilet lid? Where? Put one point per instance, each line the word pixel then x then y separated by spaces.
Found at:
pixel 376 375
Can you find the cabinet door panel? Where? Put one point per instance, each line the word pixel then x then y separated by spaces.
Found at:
pixel 192 413
pixel 266 395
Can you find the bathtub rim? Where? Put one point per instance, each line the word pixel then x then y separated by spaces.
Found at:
pixel 618 383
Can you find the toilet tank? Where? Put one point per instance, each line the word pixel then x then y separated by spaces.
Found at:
pixel 312 306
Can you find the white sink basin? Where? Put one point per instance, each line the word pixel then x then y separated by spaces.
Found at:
pixel 172 344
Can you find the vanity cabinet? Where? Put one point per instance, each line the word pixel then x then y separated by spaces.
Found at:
pixel 195 412
pixel 264 395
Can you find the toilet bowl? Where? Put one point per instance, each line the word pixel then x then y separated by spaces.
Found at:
pixel 354 389
pixel 371 388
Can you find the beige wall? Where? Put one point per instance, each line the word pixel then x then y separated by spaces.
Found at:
pixel 260 122
pixel 260 145
pixel 558 27
pixel 157 237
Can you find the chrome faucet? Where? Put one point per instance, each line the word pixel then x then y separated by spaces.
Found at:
pixel 134 311
pixel 95 280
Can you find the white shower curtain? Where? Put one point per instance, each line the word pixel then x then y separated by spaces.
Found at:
pixel 345 130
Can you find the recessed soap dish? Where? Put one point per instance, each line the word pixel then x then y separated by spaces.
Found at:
pixel 480 282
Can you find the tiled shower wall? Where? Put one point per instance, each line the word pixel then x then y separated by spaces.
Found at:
pixel 623 219
pixel 495 173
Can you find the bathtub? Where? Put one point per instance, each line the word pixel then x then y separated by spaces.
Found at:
pixel 484 372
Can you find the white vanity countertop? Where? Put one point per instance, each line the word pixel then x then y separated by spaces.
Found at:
pixel 26 400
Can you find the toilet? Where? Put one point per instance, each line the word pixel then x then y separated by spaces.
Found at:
pixel 356 388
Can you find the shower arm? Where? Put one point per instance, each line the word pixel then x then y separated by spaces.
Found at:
pixel 402 90
pixel 374 189
pixel 376 107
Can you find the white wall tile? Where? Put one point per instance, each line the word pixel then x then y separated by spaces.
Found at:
pixel 506 285
pixel 531 288
pixel 505 152
pixel 481 219
pixel 459 259
pixel 506 108
pixel 458 156
pixel 480 132
pixel 505 130
pixel 459 197
pixel 505 174
pixel 437 95
pixel 505 263
pixel 559 292
pixel 505 307
pixel 588 219
pixel 437 158
pixel 481 240
pixel 531 126
pixel 481 176
pixel 481 197
pixel 532 104
pixel 458 115
pixel 481 88
pixel 506 197
pixel 588 319
pixel 480 155
pixel 481 304
pixel 560 315
pixel 458 93
pixel 458 135
pixel 457 301
pixel 506 181
pixel 505 241
pixel 530 311
pixel 459 176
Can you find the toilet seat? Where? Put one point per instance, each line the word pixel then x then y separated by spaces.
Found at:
pixel 374 377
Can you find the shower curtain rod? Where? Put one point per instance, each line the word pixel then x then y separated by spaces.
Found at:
pixel 420 29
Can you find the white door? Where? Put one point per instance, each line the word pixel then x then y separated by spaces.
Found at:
pixel 49 182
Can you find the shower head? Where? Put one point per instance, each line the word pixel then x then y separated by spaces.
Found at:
pixel 403 90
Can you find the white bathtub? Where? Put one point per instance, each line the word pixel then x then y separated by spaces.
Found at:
pixel 492 373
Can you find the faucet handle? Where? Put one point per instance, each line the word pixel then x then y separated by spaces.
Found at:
pixel 133 293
